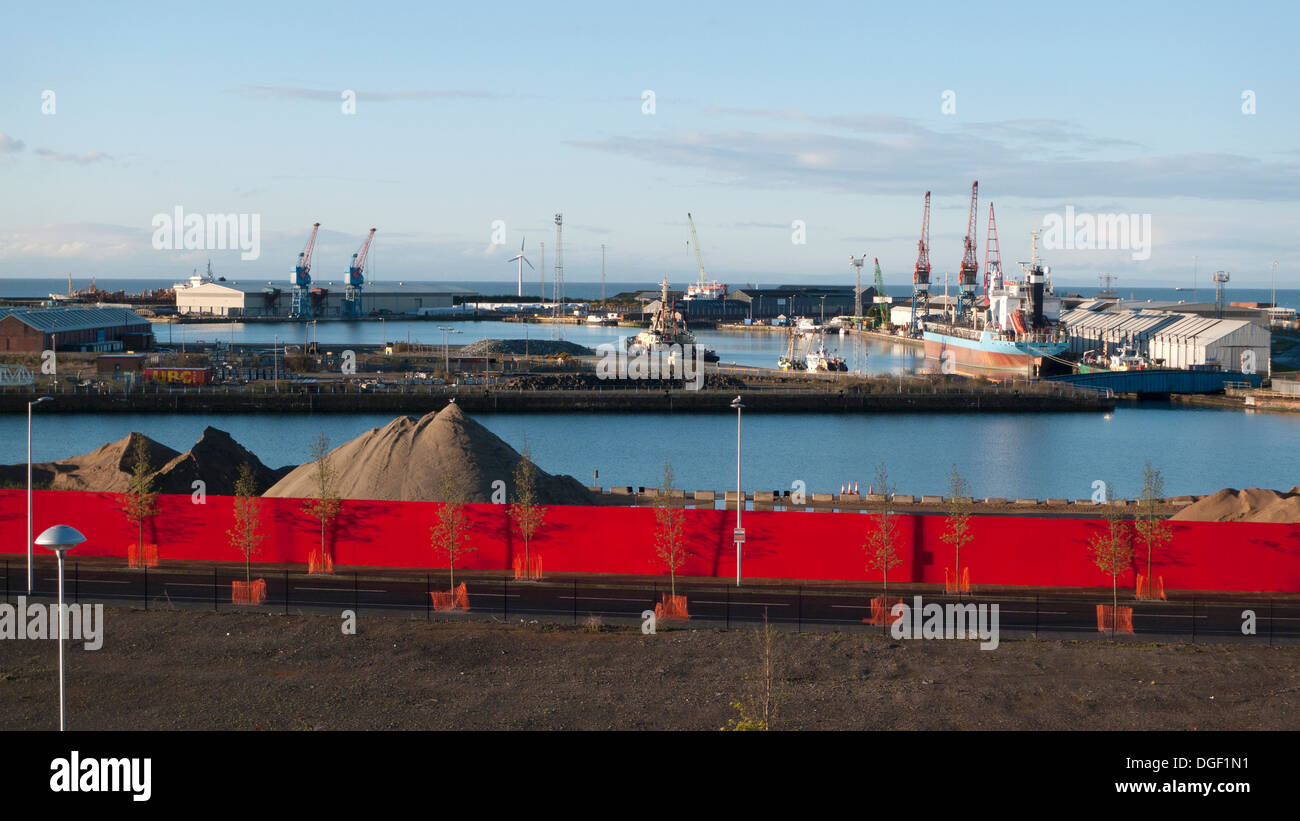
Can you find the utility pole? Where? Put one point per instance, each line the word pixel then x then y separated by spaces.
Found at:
pixel 602 272
pixel 541 272
pixel 559 258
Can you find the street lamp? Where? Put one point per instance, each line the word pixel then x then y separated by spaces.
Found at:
pixel 29 489
pixel 447 331
pixel 740 497
pixel 61 539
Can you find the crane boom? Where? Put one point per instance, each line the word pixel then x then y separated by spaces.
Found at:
pixel 921 276
pixel 302 273
pixel 969 264
pixel 695 242
pixel 357 270
pixel 992 255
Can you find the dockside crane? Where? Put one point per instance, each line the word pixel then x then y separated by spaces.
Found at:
pixel 356 279
pixel 969 263
pixel 921 274
pixel 301 303
pixel 695 243
pixel 992 257
pixel 881 300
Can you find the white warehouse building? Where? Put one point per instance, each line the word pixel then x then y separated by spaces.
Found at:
pixel 1171 339
pixel 267 299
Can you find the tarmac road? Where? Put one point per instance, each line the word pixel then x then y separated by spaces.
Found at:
pixel 1022 612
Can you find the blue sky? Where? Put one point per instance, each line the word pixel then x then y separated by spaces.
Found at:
pixel 764 114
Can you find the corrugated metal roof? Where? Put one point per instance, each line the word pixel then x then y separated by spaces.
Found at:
pixel 253 286
pixel 1131 323
pixel 61 320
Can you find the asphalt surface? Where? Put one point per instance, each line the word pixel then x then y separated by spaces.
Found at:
pixel 713 603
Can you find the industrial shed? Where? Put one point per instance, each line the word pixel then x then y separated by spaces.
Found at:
pixel 269 299
pixel 1178 340
pixel 74 329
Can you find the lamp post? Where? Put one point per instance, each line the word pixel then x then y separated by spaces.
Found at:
pixel 740 497
pixel 275 360
pixel 29 489
pixel 61 539
pixel 447 331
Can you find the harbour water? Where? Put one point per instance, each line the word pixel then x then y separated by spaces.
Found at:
pixel 1199 450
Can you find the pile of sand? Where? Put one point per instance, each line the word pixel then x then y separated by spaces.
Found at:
pixel 106 469
pixel 1250 505
pixel 215 459
pixel 407 459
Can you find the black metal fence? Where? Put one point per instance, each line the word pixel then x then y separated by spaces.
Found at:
pixel 592 601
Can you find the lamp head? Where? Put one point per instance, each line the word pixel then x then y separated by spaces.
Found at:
pixel 60 538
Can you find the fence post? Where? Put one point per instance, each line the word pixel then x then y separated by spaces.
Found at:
pixel 800 628
pixel 728 589
pixel 1193 620
pixel 355 605
pixel 6 581
pixel 76 582
pixel 286 592
pixel 428 599
pixel 214 588
pixel 575 600
pixel 1270 622
pixel 505 599
pixel 1035 615
pixel 146 585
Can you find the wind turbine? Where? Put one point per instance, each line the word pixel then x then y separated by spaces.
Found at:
pixel 521 259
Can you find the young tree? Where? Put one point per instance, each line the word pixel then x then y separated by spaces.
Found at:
pixel 450 530
pixel 1112 550
pixel 880 537
pixel 757 706
pixel 957 525
pixel 139 502
pixel 1150 525
pixel 247 536
pixel 525 512
pixel 324 507
pixel 670 530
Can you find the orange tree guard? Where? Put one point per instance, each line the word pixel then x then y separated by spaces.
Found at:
pixel 671 607
pixel 253 592
pixel 952 585
pixel 454 599
pixel 1120 619
pixel 880 607
pixel 147 558
pixel 1155 590
pixel 316 565
pixel 534 572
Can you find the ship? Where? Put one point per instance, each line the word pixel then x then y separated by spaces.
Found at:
pixel 1018 331
pixel 791 360
pixel 819 360
pixel 667 327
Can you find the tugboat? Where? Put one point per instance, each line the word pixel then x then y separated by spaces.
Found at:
pixel 667 327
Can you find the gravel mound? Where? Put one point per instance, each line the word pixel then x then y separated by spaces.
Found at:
pixel 533 347
pixel 106 469
pixel 1250 505
pixel 407 459
pixel 215 460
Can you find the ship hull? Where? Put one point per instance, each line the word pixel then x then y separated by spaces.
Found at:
pixel 997 355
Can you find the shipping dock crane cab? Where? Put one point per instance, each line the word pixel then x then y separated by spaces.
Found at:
pixel 356 279
pixel 300 307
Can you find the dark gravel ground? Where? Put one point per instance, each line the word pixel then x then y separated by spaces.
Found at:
pixel 192 670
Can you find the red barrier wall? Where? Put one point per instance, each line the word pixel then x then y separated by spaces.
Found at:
pixel 790 545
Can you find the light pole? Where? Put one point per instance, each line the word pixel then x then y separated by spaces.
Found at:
pixel 447 331
pixel 61 539
pixel 740 497
pixel 29 489
pixel 275 360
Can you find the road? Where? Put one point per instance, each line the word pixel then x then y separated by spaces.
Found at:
pixel 1047 613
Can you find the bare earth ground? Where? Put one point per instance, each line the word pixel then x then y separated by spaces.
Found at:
pixel 192 670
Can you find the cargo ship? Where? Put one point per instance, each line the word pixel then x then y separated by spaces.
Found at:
pixel 1019 329
pixel 668 327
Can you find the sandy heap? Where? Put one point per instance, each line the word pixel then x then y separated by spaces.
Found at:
pixel 215 459
pixel 406 461
pixel 1250 505
pixel 106 469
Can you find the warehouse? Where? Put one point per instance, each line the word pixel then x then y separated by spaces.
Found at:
pixel 1173 339
pixel 74 329
pixel 268 299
